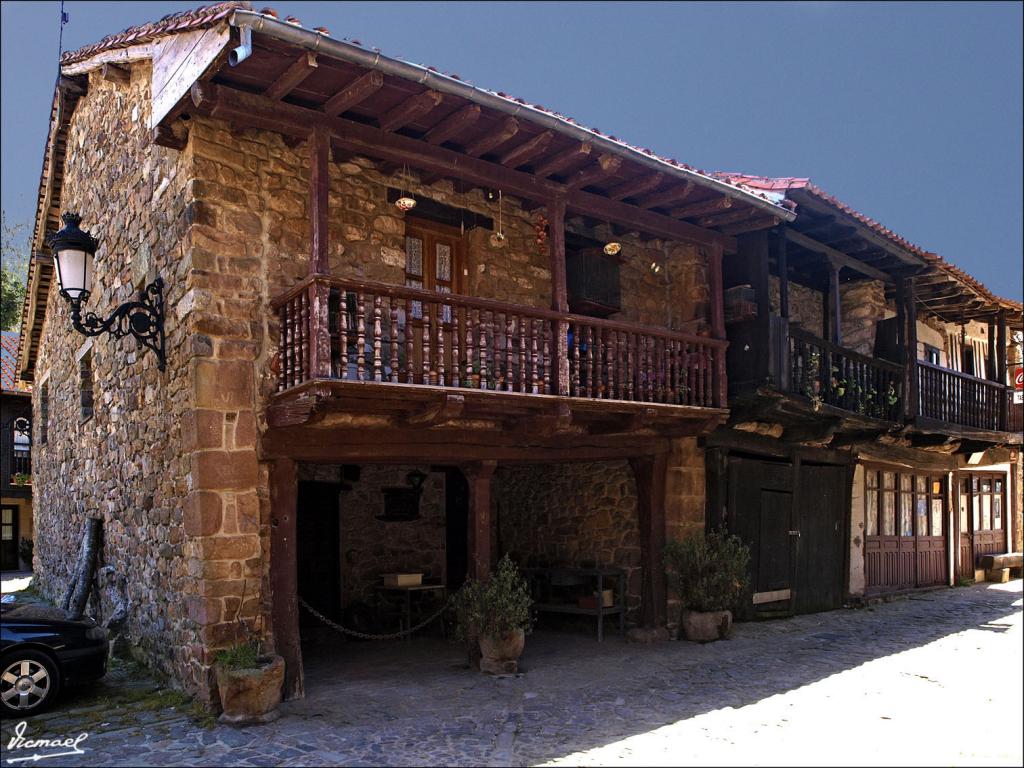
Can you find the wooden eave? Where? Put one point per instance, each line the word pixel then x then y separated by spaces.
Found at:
pixel 596 182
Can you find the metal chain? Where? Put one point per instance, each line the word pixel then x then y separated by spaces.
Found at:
pixel 368 636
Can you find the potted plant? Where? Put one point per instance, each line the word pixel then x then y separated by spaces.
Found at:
pixel 249 681
pixel 21 478
pixel 497 615
pixel 708 572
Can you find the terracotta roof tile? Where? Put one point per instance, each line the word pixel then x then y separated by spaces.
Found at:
pixel 9 362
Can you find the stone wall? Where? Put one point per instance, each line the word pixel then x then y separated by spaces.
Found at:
pixel 569 515
pixel 128 464
pixel 863 305
pixel 805 304
pixel 371 547
pixel 685 501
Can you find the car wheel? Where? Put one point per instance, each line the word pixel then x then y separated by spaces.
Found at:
pixel 29 682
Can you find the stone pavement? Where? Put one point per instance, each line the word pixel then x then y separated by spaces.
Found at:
pixel 933 679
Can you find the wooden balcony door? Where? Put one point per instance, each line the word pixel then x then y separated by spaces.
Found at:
pixel 434 257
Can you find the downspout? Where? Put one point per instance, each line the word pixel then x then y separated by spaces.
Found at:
pixel 315 41
pixel 237 55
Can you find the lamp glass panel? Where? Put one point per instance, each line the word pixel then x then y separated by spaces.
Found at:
pixel 74 270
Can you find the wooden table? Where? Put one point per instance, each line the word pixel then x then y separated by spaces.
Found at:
pixel 407 593
pixel 542 579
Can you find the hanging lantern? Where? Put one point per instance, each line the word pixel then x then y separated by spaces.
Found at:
pixel 405 203
pixel 612 248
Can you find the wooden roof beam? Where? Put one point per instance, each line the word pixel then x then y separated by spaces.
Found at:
pixel 563 160
pixel 605 166
pixel 354 93
pixel 114 73
pixel 298 71
pixel 836 256
pixel 259 112
pixel 731 216
pixel 638 186
pixel 526 151
pixel 666 197
pixel 702 208
pixel 453 125
pixel 413 108
pixel 487 142
pixel 751 225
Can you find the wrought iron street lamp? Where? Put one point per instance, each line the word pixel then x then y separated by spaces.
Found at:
pixel 143 319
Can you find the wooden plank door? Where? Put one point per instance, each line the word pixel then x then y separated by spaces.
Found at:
pixel 760 512
pixel 965 557
pixel 823 506
pixel 930 529
pixel 8 538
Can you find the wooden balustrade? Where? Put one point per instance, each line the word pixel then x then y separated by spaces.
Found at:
pixel 405 335
pixel 959 398
pixel 844 379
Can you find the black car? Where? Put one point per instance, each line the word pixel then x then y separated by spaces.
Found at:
pixel 41 651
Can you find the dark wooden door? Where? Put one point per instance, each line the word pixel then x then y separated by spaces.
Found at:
pixel 760 512
pixel 318 522
pixel 823 505
pixel 8 538
pixel 965 557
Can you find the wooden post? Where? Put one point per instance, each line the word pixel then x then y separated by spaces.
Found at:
pixel 284 584
pixel 901 338
pixel 718 322
pixel 990 361
pixel 319 155
pixel 319 334
pixel 836 308
pixel 910 353
pixel 478 477
pixel 758 247
pixel 780 245
pixel 1004 406
pixel 559 294
pixel 649 474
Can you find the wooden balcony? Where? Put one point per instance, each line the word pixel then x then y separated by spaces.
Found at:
pixel 948 397
pixel 427 357
pixel 844 379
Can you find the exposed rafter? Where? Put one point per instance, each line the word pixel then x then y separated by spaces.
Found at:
pixel 354 93
pixel 413 108
pixel 605 166
pixel 298 71
pixel 638 186
pixel 526 151
pixel 702 208
pixel 453 125
pixel 666 196
pixel 752 225
pixel 487 142
pixel 837 256
pixel 563 160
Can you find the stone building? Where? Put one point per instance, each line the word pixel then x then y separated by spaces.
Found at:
pixel 15 460
pixel 873 446
pixel 405 319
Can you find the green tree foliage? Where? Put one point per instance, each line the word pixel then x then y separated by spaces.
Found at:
pixel 13 272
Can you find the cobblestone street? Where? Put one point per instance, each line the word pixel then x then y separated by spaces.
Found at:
pixel 933 679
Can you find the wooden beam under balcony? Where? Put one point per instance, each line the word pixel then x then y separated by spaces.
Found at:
pixel 354 93
pixel 282 117
pixel 298 71
pixel 847 261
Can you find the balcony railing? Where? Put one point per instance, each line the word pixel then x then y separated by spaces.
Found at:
pixel 372 332
pixel 844 379
pixel 959 398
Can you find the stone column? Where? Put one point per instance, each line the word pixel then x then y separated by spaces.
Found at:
pixel 649 472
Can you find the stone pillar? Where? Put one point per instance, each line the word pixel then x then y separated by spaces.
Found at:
pixel 685 496
pixel 479 476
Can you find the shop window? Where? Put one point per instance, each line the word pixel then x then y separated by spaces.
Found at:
pixel 888 504
pixel 906 506
pixel 988 500
pixel 921 504
pixel 871 499
pixel 937 506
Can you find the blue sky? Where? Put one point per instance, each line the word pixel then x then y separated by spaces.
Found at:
pixel 911 113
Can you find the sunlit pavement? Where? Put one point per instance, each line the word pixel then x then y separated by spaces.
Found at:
pixel 931 680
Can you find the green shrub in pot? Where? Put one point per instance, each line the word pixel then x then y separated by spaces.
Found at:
pixel 708 571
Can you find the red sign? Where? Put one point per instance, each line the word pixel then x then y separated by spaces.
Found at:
pixel 1018 379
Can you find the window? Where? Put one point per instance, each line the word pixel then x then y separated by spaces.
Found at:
pixel 931 354
pixel 903 504
pixel 988 500
pixel 433 261
pixel 44 411
pixel 85 385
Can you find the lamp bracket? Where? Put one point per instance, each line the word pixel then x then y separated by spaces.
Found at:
pixel 142 319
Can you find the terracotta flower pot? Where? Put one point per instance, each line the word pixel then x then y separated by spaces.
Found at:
pixel 251 696
pixel 500 655
pixel 705 626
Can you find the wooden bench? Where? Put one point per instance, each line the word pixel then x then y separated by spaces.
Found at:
pixel 1000 568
